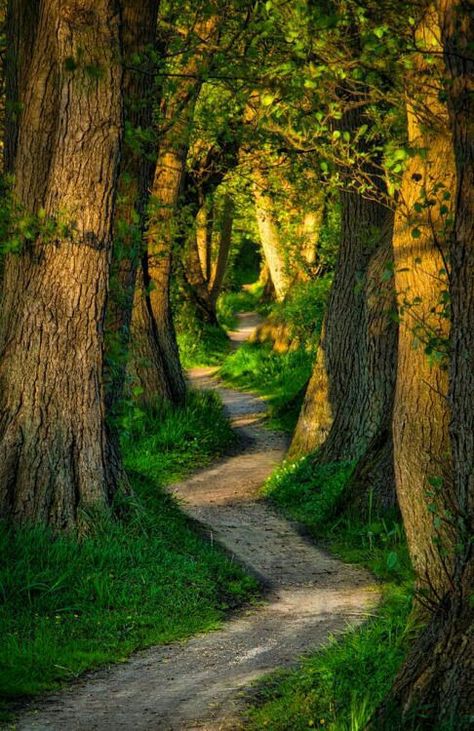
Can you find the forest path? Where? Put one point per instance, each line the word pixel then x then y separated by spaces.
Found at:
pixel 200 683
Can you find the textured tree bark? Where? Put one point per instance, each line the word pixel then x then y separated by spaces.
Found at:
pixel 21 28
pixel 347 408
pixel 53 443
pixel 269 235
pixel 421 414
pixel 139 18
pixel 435 687
pixel 148 364
pixel 161 234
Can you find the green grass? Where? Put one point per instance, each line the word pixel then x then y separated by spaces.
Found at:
pixel 230 303
pixel 202 345
pixel 69 605
pixel 279 377
pixel 338 687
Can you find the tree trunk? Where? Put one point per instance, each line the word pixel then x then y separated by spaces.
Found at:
pixel 347 408
pixel 161 233
pixel 225 241
pixel 148 365
pixel 421 414
pixel 435 687
pixel 53 443
pixel 139 18
pixel 204 230
pixel 269 235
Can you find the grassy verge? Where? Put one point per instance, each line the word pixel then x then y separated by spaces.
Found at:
pixel 279 377
pixel 70 605
pixel 202 345
pixel 338 687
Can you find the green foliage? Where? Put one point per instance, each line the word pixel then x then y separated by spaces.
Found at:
pixel 310 493
pixel 167 446
pixel 150 578
pixel 202 345
pixel 303 310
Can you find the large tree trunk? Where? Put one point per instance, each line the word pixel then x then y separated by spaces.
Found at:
pixel 53 444
pixel 435 687
pixel 421 414
pixel 139 18
pixel 347 408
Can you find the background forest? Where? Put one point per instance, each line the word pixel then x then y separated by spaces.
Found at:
pixel 168 165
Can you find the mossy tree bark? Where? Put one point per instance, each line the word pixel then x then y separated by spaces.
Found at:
pixel 139 19
pixel 53 443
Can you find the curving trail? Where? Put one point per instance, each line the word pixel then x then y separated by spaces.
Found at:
pixel 199 684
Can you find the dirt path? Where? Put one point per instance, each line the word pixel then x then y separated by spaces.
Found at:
pixel 198 684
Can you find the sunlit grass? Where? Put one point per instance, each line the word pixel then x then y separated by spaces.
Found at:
pixel 279 377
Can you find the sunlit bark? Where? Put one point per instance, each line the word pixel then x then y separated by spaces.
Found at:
pixel 435 688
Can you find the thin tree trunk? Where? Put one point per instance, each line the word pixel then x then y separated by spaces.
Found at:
pixel 225 241
pixel 139 18
pixel 347 408
pixel 269 235
pixel 53 442
pixel 204 230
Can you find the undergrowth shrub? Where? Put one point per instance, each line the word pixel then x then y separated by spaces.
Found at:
pixel 303 310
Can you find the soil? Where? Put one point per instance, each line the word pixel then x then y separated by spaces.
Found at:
pixel 203 683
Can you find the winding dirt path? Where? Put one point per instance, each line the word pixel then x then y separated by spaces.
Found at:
pixel 200 683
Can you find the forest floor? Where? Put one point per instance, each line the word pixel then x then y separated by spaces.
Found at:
pixel 203 683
